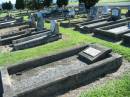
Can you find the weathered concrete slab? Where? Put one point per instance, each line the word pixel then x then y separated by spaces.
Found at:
pixel 8 39
pixel 34 40
pixel 8 90
pixel 58 73
pixel 114 31
pixel 126 39
pixel 90 26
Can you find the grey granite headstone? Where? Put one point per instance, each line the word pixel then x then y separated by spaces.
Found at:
pixel 82 7
pixel 115 14
pixel 128 25
pixel 94 52
pixel 128 13
pixel 93 12
pixel 105 10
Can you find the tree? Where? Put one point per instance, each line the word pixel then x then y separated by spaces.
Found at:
pixel 7 5
pixel 19 4
pixel 61 3
pixel 47 3
pixel 89 3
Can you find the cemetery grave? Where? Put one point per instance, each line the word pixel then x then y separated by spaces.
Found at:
pixel 115 31
pixel 60 72
pixel 126 39
pixel 90 25
pixel 72 22
pixel 26 37
pixel 12 23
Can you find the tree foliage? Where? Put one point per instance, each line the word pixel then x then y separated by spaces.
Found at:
pixel 89 3
pixel 47 3
pixel 19 4
pixel 7 5
pixel 61 3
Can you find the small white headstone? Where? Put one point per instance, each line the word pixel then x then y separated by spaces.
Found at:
pixel 54 26
pixel 92 51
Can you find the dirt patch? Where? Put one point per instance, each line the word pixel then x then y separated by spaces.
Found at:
pixel 6 31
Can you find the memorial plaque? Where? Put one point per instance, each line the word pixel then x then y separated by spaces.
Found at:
pixel 94 52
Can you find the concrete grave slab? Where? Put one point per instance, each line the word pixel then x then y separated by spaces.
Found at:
pixel 7 39
pixel 126 39
pixel 58 73
pixel 35 40
pixel 89 27
pixel 115 31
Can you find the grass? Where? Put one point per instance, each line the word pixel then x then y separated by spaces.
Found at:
pixel 71 39
pixel 115 88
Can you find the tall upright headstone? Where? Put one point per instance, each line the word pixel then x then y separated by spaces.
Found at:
pixel 115 14
pixel 128 25
pixel 82 7
pixel 54 27
pixel 93 12
pixel 128 13
pixel 105 10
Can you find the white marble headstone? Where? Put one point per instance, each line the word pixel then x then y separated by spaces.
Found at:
pixel 92 51
pixel 53 25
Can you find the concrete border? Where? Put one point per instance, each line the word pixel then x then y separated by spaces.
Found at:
pixel 36 42
pixel 115 36
pixel 87 29
pixel 71 80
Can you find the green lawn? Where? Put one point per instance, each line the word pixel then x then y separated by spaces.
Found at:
pixel 113 1
pixel 71 38
pixel 115 88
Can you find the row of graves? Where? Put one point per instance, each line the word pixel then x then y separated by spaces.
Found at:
pixel 53 75
pixel 92 14
pixel 114 27
pixel 26 37
pixel 10 21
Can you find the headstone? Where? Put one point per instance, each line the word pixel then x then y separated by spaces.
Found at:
pixel 94 52
pixel 54 27
pixel 105 10
pixel 128 25
pixel 128 13
pixel 115 14
pixel 72 12
pixel 82 7
pixel 93 12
